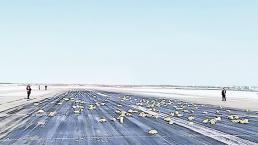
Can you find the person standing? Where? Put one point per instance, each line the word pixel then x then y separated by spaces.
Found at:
pixel 28 88
pixel 45 87
pixel 223 93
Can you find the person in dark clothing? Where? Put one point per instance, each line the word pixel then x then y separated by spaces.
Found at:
pixel 28 88
pixel 45 87
pixel 223 93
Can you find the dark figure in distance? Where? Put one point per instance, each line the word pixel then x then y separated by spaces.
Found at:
pixel 45 87
pixel 223 93
pixel 28 88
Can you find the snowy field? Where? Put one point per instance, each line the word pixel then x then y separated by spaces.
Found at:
pixel 12 95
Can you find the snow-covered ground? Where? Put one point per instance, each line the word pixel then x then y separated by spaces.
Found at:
pixel 12 95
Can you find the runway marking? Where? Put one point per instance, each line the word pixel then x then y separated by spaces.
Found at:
pixel 102 94
pixel 209 132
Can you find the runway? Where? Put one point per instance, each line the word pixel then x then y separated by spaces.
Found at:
pixel 93 117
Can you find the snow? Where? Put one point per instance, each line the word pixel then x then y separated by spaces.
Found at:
pixel 13 95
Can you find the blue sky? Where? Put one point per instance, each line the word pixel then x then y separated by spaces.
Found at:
pixel 183 42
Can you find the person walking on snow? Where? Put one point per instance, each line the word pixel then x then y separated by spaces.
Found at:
pixel 28 88
pixel 223 93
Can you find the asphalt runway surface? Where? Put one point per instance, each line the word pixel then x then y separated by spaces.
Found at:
pixel 97 117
